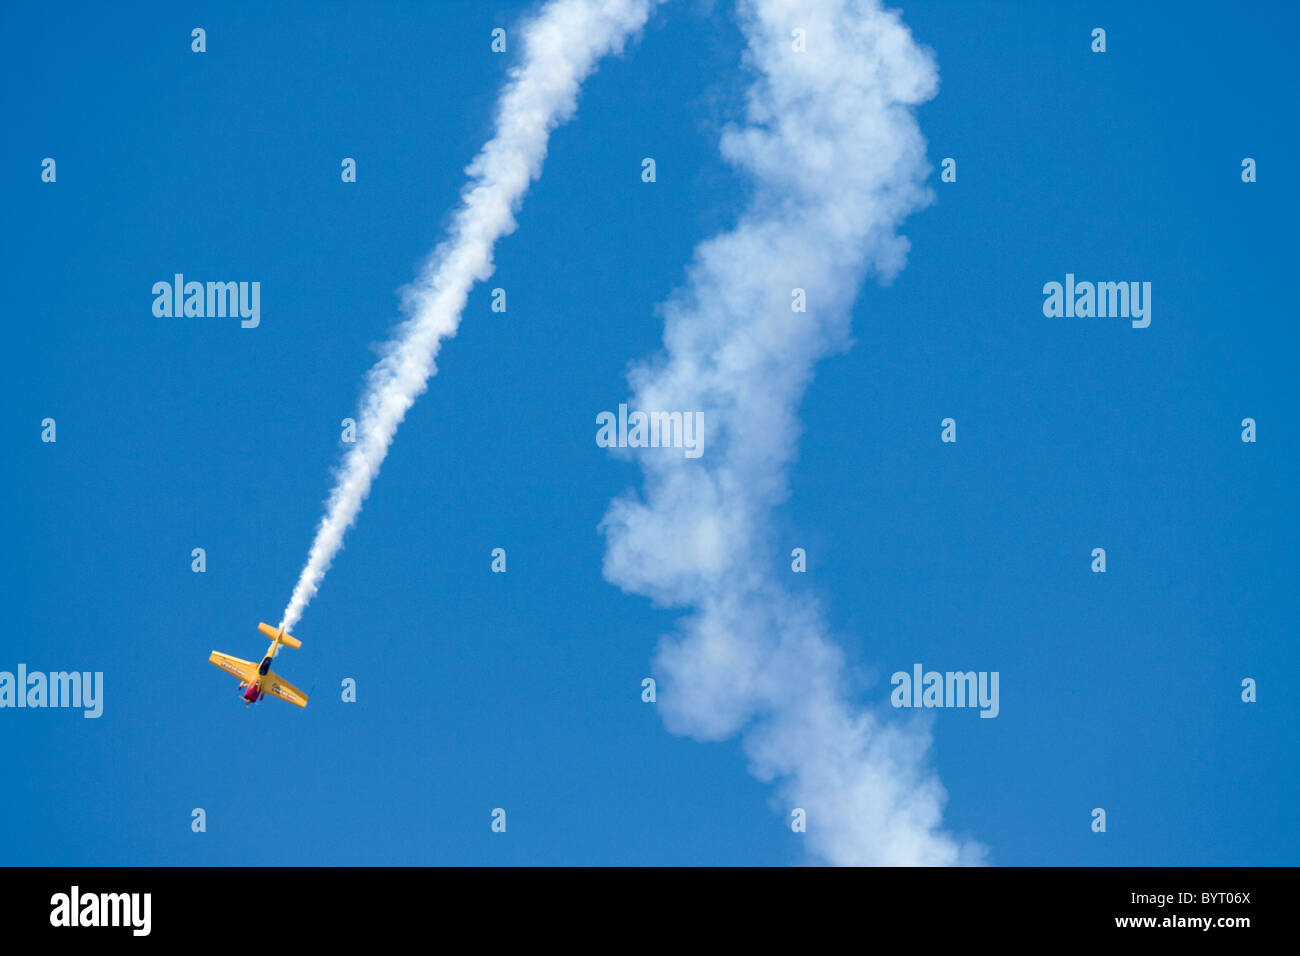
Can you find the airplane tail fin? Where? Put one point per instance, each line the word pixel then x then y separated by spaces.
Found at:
pixel 272 632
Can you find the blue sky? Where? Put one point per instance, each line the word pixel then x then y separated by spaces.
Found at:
pixel 522 690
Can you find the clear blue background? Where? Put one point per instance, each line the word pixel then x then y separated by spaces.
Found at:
pixel 521 690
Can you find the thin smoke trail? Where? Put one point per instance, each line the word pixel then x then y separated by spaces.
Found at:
pixel 562 46
pixel 836 159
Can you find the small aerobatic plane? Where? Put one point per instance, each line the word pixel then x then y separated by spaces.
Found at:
pixel 257 680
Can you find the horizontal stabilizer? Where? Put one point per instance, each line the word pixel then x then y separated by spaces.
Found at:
pixel 271 632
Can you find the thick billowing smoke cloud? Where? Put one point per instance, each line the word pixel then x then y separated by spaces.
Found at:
pixel 837 161
pixel 562 45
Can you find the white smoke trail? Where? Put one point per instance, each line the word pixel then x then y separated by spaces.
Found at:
pixel 837 161
pixel 562 46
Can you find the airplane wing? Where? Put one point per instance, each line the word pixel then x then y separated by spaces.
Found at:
pixel 277 686
pixel 244 670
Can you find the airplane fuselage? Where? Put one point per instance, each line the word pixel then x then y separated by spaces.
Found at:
pixel 252 690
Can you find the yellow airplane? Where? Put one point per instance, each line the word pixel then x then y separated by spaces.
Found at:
pixel 259 679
